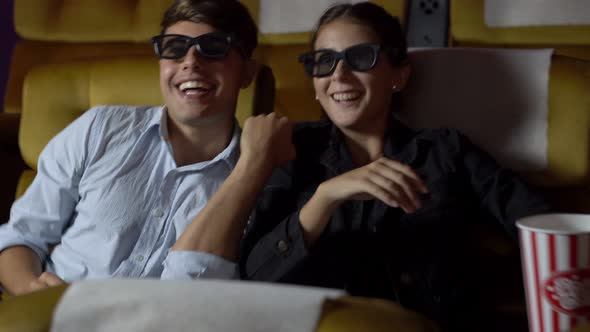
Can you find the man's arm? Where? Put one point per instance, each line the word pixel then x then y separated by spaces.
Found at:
pixel 22 271
pixel 20 267
pixel 265 144
pixel 39 218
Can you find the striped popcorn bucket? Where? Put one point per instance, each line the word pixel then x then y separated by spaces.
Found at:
pixel 555 250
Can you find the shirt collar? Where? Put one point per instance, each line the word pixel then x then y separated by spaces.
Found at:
pixel 399 145
pixel 229 155
pixel 162 120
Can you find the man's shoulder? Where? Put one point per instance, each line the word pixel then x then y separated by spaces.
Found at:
pixel 118 116
pixel 126 111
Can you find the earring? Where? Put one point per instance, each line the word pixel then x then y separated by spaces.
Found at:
pixel 394 87
pixel 317 98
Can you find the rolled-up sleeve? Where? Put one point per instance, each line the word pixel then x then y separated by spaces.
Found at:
pixel 197 265
pixel 39 218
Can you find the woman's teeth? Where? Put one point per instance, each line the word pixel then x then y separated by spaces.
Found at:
pixel 347 96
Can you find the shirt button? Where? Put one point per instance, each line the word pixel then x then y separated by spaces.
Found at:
pixel 140 258
pixel 282 246
pixel 158 213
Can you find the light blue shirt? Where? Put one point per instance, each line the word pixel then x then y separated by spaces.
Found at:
pixel 108 193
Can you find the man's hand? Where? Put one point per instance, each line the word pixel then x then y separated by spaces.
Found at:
pixel 268 138
pixel 45 280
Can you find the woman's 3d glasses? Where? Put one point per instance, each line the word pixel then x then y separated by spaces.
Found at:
pixel 214 45
pixel 321 63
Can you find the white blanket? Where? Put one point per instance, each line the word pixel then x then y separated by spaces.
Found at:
pixel 286 16
pixel 201 305
pixel 511 13
pixel 497 97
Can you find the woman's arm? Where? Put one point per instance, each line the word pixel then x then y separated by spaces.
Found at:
pixel 281 233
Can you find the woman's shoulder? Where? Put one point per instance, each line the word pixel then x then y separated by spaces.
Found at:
pixel 443 139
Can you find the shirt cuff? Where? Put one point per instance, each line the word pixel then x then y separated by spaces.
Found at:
pixel 196 265
pixel 10 237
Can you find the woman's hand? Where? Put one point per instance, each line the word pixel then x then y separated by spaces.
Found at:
pixel 387 180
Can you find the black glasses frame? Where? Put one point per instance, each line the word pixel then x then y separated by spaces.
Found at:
pixel 307 59
pixel 190 42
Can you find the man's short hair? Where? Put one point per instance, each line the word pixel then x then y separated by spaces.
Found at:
pixel 229 16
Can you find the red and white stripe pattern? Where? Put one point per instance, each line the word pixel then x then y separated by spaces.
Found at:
pixel 556 270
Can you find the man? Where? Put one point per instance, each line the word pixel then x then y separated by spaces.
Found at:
pixel 118 186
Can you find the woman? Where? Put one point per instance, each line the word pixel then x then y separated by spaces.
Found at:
pixel 370 205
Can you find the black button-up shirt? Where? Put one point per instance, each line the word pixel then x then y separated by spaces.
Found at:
pixel 423 260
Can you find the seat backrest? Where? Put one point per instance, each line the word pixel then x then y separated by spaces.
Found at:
pixel 65 31
pixel 89 20
pixel 510 108
pixel 468 28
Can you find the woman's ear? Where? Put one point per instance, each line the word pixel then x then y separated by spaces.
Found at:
pixel 403 75
pixel 248 73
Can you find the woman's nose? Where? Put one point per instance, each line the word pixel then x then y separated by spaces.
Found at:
pixel 341 70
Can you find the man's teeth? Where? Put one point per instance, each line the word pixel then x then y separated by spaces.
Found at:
pixel 346 96
pixel 193 85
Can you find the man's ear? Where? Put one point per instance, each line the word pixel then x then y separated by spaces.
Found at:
pixel 248 73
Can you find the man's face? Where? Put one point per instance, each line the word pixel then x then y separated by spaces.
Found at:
pixel 199 90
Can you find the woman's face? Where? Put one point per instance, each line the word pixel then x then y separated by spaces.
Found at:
pixel 355 100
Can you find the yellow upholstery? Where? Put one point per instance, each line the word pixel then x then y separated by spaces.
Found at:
pixel 89 20
pixel 467 28
pixel 569 120
pixel 33 313
pixel 352 314
pixel 28 54
pixel 24 182
pixel 295 96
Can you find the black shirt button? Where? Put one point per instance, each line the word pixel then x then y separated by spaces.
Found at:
pixel 282 246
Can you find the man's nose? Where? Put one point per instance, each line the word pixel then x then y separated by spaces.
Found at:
pixel 192 59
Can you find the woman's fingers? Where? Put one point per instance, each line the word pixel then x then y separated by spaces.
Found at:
pixel 401 181
pixel 405 170
pixel 392 182
pixel 391 192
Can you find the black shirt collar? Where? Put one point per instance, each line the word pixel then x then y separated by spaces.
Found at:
pixel 400 145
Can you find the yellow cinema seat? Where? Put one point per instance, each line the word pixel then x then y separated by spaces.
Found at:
pixel 468 28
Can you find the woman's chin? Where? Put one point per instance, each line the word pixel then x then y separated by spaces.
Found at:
pixel 344 119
